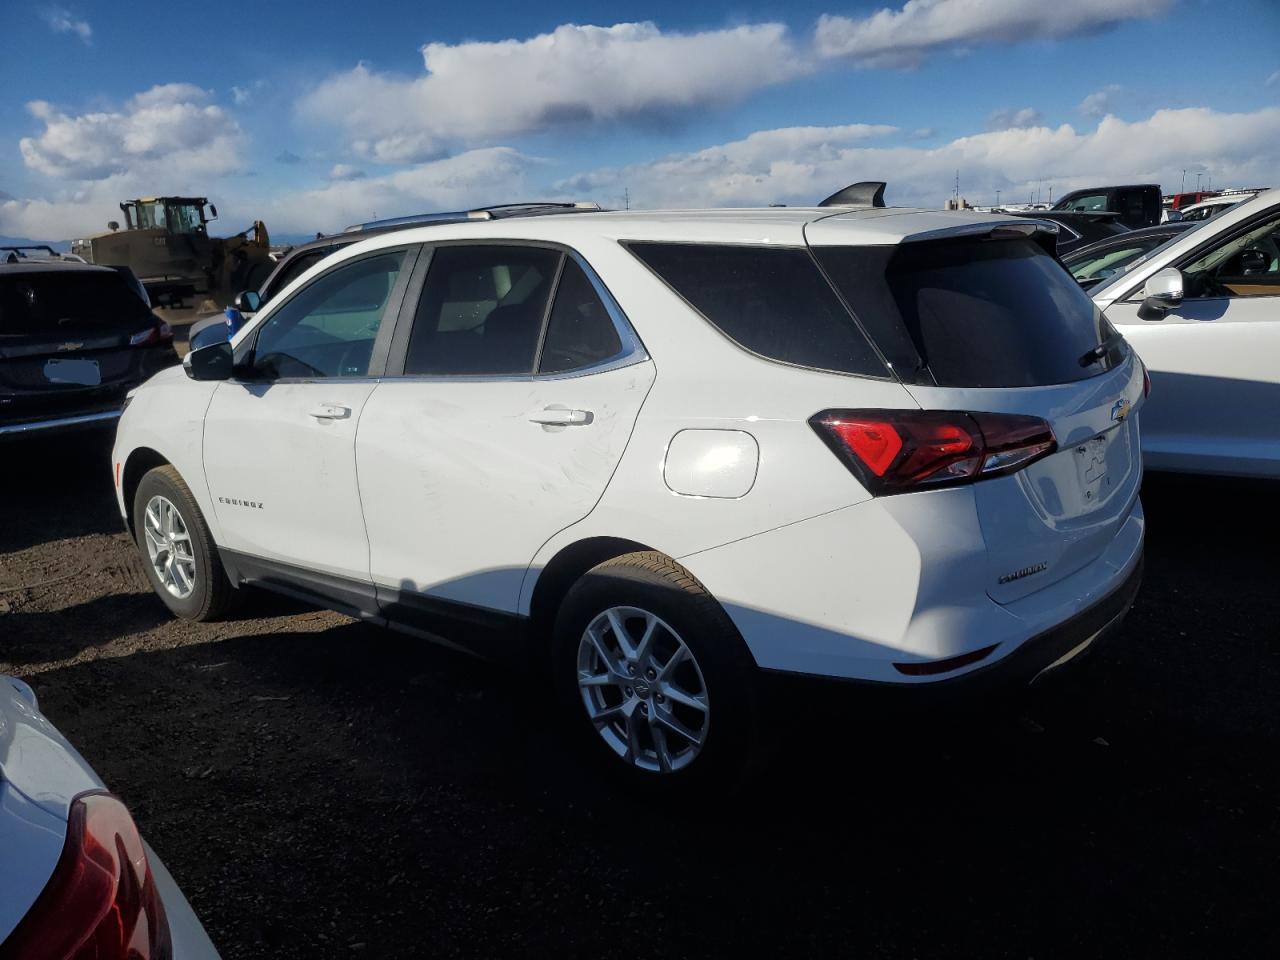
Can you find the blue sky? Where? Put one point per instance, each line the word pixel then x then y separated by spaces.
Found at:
pixel 310 115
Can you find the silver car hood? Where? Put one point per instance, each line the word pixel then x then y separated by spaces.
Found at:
pixel 35 759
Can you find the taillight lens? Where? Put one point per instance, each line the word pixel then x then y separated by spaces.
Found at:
pixel 101 903
pixel 894 451
pixel 160 333
pixel 1146 382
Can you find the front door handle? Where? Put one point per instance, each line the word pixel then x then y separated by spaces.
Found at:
pixel 559 417
pixel 331 411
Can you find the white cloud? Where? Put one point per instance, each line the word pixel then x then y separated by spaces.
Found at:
pixel 903 37
pixel 1098 104
pixel 171 126
pixel 470 179
pixel 345 171
pixel 474 92
pixel 1010 119
pixel 787 167
pixel 767 166
pixel 1272 80
pixel 61 20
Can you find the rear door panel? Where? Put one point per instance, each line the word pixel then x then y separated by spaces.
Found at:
pixel 461 487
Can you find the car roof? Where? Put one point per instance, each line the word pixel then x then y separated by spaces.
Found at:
pixel 1222 200
pixel 1109 186
pixel 1170 229
pixel 758 225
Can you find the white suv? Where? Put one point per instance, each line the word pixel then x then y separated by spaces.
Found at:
pixel 670 451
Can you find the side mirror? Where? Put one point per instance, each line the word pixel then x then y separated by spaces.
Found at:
pixel 1161 293
pixel 213 212
pixel 247 301
pixel 113 226
pixel 211 357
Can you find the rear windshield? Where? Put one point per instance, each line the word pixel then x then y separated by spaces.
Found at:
pixel 67 302
pixel 973 313
pixel 773 301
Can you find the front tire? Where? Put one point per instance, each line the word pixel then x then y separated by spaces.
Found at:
pixel 655 677
pixel 178 553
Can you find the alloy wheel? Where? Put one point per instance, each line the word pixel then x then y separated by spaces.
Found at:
pixel 643 689
pixel 169 547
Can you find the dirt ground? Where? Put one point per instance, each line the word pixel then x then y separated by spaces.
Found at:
pixel 322 788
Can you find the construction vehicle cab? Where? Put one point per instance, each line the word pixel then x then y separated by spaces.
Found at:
pixel 166 242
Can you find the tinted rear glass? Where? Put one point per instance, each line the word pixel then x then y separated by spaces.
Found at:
pixel 63 303
pixel 972 313
pixel 772 301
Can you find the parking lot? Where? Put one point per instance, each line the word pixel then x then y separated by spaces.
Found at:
pixel 321 788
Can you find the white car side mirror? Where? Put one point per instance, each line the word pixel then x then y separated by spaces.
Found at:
pixel 1161 293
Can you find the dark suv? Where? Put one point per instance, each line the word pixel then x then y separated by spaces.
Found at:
pixel 74 339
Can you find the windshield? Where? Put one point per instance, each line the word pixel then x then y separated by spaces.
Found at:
pixel 1099 265
pixel 185 218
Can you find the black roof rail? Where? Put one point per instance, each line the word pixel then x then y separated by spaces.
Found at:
pixel 495 212
pixel 865 193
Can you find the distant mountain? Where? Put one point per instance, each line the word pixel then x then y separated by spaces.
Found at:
pixel 61 246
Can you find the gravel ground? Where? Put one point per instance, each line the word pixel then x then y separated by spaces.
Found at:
pixel 322 788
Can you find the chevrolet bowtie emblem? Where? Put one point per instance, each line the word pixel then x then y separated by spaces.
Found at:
pixel 70 346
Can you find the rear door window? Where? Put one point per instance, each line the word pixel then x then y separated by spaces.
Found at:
pixel 482 310
pixel 773 301
pixel 973 313
pixel 68 303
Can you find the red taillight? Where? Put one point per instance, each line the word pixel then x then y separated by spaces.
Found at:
pixel 1146 382
pixel 101 903
pixel 893 451
pixel 160 333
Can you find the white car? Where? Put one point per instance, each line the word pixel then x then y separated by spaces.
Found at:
pixel 76 878
pixel 660 448
pixel 1203 312
pixel 1208 209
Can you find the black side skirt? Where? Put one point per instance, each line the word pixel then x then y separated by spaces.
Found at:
pixel 491 634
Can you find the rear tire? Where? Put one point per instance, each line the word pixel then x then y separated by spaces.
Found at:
pixel 178 553
pixel 655 679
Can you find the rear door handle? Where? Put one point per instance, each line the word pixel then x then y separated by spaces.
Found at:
pixel 331 411
pixel 559 417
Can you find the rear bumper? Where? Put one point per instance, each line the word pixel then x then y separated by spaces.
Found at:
pixel 896 593
pixel 1055 647
pixel 44 427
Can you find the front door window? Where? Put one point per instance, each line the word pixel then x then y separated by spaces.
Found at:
pixel 1247 265
pixel 328 328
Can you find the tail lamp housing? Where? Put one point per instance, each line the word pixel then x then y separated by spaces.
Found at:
pixel 157 333
pixel 102 902
pixel 897 451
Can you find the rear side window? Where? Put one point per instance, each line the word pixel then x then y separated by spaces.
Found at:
pixel 581 332
pixel 772 301
pixel 67 303
pixel 973 313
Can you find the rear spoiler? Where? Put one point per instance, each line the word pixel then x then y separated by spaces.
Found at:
pixel 1043 232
